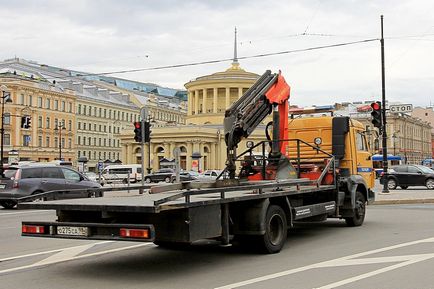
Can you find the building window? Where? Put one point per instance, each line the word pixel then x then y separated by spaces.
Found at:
pixel 39 121
pixel 7 139
pixel 69 106
pixel 79 109
pixel 40 102
pixel 21 101
pixel 30 100
pixel 69 125
pixel 84 126
pixel 26 140
pixel 56 104
pixel 47 123
pixel 7 118
pixel 69 142
pixel 56 142
pixel 47 103
pixel 79 140
pixel 47 141
pixel 62 107
pixel 40 141
pixel 79 125
pixel 84 140
pixel 56 123
pixel 78 153
pixel 105 113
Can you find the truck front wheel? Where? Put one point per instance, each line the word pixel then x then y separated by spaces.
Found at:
pixel 359 211
pixel 275 230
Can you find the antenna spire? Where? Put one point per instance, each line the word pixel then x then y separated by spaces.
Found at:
pixel 235 48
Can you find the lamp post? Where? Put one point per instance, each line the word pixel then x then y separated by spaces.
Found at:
pixel 394 137
pixel 5 97
pixel 59 128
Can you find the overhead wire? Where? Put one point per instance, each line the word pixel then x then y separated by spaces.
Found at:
pixel 220 60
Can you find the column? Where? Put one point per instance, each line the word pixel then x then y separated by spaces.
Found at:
pixel 213 156
pixel 214 107
pixel 228 97
pixel 204 102
pixel 201 162
pixel 196 102
pixel 189 153
pixel 190 103
pixel 240 92
pixel 171 147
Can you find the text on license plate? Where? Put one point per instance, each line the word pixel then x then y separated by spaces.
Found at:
pixel 72 231
pixel 2 186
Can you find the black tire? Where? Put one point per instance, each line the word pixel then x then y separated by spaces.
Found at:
pixel 8 204
pixel 276 231
pixel 429 184
pixel 404 187
pixel 148 180
pixel 392 184
pixel 41 199
pixel 359 212
pixel 167 179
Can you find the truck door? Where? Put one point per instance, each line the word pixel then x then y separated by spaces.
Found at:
pixel 363 159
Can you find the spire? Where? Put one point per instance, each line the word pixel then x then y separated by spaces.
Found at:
pixel 235 63
pixel 235 48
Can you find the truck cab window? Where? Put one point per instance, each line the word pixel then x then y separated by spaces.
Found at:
pixel 361 142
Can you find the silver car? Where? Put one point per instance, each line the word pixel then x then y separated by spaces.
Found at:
pixel 26 180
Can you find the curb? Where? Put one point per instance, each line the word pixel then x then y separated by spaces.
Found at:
pixel 404 201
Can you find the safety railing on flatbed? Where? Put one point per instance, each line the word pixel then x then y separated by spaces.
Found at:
pixel 300 148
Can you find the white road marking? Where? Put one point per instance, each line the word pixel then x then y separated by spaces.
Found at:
pixel 74 258
pixel 45 252
pixel 25 213
pixel 344 261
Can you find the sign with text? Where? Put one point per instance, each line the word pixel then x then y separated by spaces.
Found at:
pixel 401 108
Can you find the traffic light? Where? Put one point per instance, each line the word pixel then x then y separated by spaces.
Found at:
pixel 376 114
pixel 26 121
pixel 138 131
pixel 147 131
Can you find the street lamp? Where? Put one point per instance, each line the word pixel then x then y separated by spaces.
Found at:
pixel 59 128
pixel 5 97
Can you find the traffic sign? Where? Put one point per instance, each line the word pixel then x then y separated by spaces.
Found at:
pixel 401 108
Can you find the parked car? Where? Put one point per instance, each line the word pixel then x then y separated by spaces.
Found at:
pixel 168 176
pixel 92 176
pixel 26 180
pixel 409 175
pixel 160 175
pixel 209 175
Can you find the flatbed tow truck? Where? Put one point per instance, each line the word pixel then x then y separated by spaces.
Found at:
pixel 308 169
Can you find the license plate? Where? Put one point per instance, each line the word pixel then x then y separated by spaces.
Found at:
pixel 72 231
pixel 2 186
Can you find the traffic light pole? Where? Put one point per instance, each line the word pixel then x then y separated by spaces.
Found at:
pixel 383 93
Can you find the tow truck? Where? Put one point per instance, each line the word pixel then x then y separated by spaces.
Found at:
pixel 305 169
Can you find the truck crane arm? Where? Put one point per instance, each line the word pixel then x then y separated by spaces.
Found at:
pixel 269 92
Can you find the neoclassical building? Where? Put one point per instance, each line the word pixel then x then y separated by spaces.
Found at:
pixel 201 139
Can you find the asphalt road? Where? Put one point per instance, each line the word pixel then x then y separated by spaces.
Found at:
pixel 394 249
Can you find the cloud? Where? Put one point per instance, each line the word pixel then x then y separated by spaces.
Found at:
pixel 101 36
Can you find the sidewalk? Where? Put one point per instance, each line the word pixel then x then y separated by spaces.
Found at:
pixel 413 195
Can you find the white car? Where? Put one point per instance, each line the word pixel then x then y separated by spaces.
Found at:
pixel 209 175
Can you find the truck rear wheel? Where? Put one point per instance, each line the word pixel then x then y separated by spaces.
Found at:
pixel 359 211
pixel 275 231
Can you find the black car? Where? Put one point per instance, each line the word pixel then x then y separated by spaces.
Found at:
pixel 409 175
pixel 168 176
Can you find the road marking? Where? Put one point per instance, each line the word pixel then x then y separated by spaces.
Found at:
pixel 24 213
pixel 345 261
pixel 45 252
pixel 74 258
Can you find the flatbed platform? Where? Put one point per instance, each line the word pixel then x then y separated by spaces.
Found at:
pixel 154 203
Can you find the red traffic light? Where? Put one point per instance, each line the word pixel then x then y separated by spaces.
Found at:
pixel 375 106
pixel 137 124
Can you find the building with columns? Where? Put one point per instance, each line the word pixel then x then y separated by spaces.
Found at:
pixel 201 140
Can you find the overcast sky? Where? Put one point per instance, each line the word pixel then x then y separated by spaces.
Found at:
pixel 104 36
